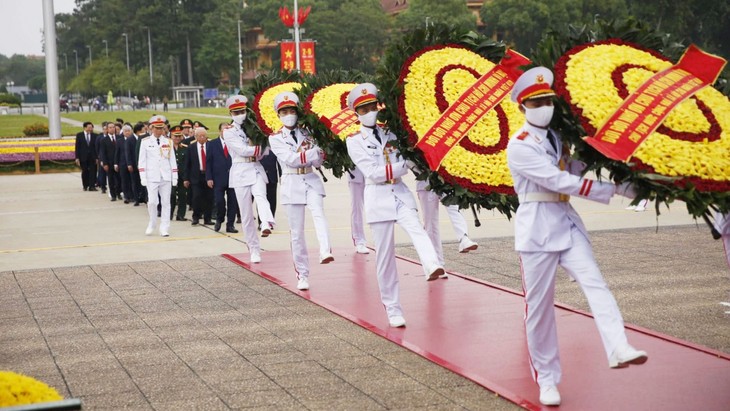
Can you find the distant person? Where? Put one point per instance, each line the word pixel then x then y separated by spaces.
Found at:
pixel 164 104
pixel 179 196
pixel 107 156
pixel 121 164
pixel 101 174
pixel 217 173
pixel 85 153
pixel 131 151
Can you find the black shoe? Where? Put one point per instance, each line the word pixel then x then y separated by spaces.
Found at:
pixel 86 189
pixel 181 219
pixel 136 203
pixel 217 226
pixel 159 214
pixel 231 230
pixel 238 220
pixel 92 189
pixel 119 196
pixel 126 201
pixel 103 190
pixel 195 222
pixel 208 222
pixel 115 199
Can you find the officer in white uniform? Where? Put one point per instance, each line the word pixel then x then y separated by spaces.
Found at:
pixel 298 154
pixel 430 202
pixel 247 177
pixel 387 199
pixel 158 172
pixel 356 184
pixel 549 232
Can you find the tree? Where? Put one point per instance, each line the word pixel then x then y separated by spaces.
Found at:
pixel 218 53
pixel 453 13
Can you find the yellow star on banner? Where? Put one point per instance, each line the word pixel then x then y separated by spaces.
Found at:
pixel 288 54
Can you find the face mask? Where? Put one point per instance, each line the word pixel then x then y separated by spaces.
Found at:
pixel 239 118
pixel 369 119
pixel 289 120
pixel 539 117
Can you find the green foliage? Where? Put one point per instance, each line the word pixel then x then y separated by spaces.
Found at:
pixel 420 13
pixel 36 129
pixel 649 186
pixel 337 159
pixel 260 84
pixel 9 100
pixel 390 91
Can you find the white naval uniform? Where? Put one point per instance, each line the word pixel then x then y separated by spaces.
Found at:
pixel 356 183
pixel 300 190
pixel 722 224
pixel 386 204
pixel 247 177
pixel 158 169
pixel 430 202
pixel 549 233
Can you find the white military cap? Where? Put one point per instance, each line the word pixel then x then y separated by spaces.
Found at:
pixel 534 83
pixel 285 99
pixel 158 121
pixel 236 102
pixel 362 94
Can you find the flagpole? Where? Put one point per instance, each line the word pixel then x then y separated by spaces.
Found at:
pixel 296 33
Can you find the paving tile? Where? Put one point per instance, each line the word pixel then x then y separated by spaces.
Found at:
pixel 256 398
pixel 307 379
pixel 395 399
pixel 202 403
pixel 288 368
pixel 226 386
pixel 132 400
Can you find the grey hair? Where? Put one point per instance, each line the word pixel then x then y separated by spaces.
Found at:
pixel 126 127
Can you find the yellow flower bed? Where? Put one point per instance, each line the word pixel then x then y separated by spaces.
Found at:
pixel 18 389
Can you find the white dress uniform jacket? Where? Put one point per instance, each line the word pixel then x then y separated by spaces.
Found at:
pixel 545 225
pixel 157 161
pixel 243 171
pixel 367 153
pixel 294 186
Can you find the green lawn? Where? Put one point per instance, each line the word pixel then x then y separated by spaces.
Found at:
pixel 12 125
pixel 206 110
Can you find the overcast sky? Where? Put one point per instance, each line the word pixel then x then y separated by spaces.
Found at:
pixel 21 25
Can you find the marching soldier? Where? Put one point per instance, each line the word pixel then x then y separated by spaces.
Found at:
pixel 158 172
pixel 387 199
pixel 549 232
pixel 179 195
pixel 247 177
pixel 298 154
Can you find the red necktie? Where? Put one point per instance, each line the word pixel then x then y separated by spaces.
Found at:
pixel 202 156
pixel 225 150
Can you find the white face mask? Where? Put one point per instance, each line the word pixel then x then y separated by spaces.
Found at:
pixel 289 120
pixel 369 119
pixel 239 119
pixel 539 117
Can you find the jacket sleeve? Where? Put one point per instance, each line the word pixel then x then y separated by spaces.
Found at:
pixel 214 149
pixel 239 146
pixel 293 159
pixel 142 162
pixel 369 166
pixel 173 164
pixel 188 162
pixel 77 148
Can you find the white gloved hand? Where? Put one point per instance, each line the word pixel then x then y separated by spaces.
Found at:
pixel 626 189
pixel 143 182
pixel 410 164
pixel 174 183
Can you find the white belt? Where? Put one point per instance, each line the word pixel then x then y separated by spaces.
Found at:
pixel 244 160
pixel 391 181
pixel 544 198
pixel 298 170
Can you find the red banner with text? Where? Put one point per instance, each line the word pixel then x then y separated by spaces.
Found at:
pixel 646 108
pixel 306 56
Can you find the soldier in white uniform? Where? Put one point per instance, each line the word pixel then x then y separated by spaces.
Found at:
pixel 549 232
pixel 247 177
pixel 387 199
pixel 430 202
pixel 298 154
pixel 157 172
pixel 356 184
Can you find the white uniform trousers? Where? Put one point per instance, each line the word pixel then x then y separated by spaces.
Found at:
pixel 298 240
pixel 430 209
pixel 538 279
pixel 387 273
pixel 262 203
pixel 248 224
pixel 163 188
pixel 357 203
pixel 726 244
pixel 457 221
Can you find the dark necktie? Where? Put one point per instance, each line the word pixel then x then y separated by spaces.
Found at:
pixel 88 139
pixel 114 140
pixel 377 136
pixel 553 141
pixel 294 136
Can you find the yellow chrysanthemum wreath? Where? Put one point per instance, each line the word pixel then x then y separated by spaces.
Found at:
pixel 18 389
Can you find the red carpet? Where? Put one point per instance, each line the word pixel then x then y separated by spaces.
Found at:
pixel 476 330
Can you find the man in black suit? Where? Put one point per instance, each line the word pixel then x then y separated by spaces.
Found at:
pixel 86 156
pixel 106 157
pixel 218 166
pixel 195 166
pixel 121 164
pixel 130 152
pixel 101 175
pixel 273 171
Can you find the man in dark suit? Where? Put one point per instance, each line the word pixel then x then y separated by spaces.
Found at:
pixel 101 176
pixel 179 194
pixel 86 156
pixel 106 156
pixel 130 151
pixel 218 166
pixel 121 163
pixel 273 171
pixel 195 166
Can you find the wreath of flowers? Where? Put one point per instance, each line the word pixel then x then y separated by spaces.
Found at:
pixel 262 120
pixel 685 158
pixel 419 77
pixel 17 389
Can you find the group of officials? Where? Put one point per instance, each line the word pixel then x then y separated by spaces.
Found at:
pixel 169 167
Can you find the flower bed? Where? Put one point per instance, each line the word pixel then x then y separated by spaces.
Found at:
pixel 24 150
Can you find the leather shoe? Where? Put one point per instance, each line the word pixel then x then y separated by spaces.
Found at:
pixel 115 199
pixel 238 220
pixel 231 230
pixel 217 226
pixel 255 257
pixel 136 203
pixel 436 272
pixel 466 245
pixel 92 189
pixel 549 395
pixel 103 190
pixel 209 222
pixel 624 355
pixel 303 284
pixel 397 321
pixel 149 230
pixel 181 219
pixel 361 249
pixel 195 222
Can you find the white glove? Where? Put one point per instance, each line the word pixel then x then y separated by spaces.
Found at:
pixel 626 189
pixel 143 182
pixel 174 183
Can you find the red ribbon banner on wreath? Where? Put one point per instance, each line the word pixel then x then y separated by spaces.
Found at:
pixel 475 102
pixel 647 107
